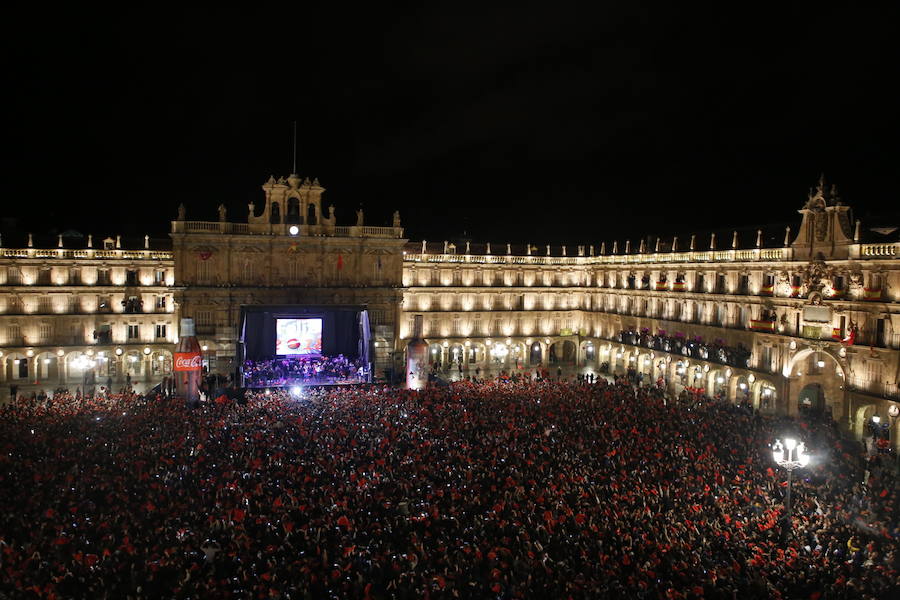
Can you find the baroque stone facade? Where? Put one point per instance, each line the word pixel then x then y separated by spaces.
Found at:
pixel 291 253
pixel 812 322
pixel 73 316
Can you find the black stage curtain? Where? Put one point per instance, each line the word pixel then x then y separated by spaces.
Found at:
pixel 340 330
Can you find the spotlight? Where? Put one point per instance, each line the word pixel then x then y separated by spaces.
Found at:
pixel 294 230
pixel 296 391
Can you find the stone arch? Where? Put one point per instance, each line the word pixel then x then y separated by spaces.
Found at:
pixel 275 213
pixel 535 354
pixel 718 383
pixel 764 395
pixel 742 388
pixel 46 372
pixel 133 363
pixel 13 369
pixel 292 215
pixel 811 397
pixel 435 353
pixel 457 353
pixel 862 417
pixel 589 352
pixel 806 352
pixel 161 363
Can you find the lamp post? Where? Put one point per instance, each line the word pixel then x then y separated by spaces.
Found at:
pixel 790 456
pixel 893 413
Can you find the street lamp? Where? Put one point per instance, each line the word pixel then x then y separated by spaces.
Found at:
pixel 790 456
pixel 893 413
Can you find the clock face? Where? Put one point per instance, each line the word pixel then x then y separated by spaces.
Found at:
pixel 894 410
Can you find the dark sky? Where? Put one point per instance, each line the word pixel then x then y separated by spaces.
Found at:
pixel 518 123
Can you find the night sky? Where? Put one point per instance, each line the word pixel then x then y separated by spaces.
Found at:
pixel 525 123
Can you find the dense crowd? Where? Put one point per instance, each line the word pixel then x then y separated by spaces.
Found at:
pixel 304 370
pixel 496 490
pixel 715 350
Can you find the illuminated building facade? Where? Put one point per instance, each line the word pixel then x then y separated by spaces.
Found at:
pixel 812 322
pixel 74 316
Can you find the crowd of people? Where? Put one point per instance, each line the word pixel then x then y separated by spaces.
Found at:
pixel 715 350
pixel 504 489
pixel 304 370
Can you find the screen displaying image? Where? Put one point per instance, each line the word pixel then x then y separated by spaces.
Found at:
pixel 298 336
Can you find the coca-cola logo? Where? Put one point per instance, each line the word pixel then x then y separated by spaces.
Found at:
pixel 188 361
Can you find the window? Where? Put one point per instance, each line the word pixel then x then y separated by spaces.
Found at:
pixel 13 276
pixel 159 277
pixel 131 277
pixel 103 304
pixel 699 285
pixel 160 331
pixel 160 303
pixel 103 277
pixel 133 305
pixel 45 332
pixel 13 334
pixel 203 271
pixel 204 317
pixel 134 332
pixel 45 305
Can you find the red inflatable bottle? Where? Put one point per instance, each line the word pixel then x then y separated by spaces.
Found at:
pixel 188 362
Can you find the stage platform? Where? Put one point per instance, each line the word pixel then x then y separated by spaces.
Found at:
pixel 309 383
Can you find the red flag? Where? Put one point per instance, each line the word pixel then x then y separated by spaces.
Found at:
pixel 340 263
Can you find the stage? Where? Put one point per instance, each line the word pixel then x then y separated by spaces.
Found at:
pixel 283 346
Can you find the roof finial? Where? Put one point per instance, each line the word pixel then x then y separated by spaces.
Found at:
pixel 712 241
pixel 675 244
pixel 856 231
pixel 734 241
pixel 602 248
pixel 759 238
pixel 787 236
pixel 30 241
pixel 627 246
pixel 693 241
pixel 59 243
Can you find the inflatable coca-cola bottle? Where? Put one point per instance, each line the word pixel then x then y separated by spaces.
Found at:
pixel 416 358
pixel 188 363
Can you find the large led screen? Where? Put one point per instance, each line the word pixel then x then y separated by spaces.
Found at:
pixel 298 337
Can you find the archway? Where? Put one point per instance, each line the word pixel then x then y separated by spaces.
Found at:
pixel 275 213
pixel 589 352
pixel 535 354
pixel 567 352
pixel 435 354
pixel 161 363
pixel 293 211
pixel 742 390
pixel 15 364
pixel 863 419
pixel 311 214
pixel 764 396
pixel 46 367
pixel 133 365
pixel 718 383
pixel 811 399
